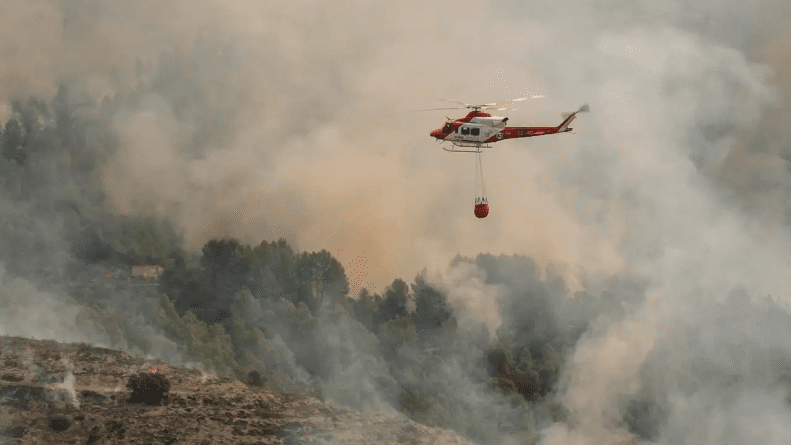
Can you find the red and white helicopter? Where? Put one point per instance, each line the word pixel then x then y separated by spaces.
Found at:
pixel 478 129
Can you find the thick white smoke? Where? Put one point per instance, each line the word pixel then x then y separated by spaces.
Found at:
pixel 668 222
pixel 472 300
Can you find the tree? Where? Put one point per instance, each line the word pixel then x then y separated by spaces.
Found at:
pixel 322 276
pixel 144 240
pixel 395 333
pixel 394 304
pixel 278 260
pixel 364 307
pixel 209 345
pixel 210 294
pixel 263 282
pixel 226 266
pixel 175 277
pixel 90 246
pixel 12 142
pixel 431 308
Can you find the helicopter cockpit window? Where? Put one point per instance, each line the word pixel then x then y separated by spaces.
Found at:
pixel 475 131
pixel 465 130
pixel 446 130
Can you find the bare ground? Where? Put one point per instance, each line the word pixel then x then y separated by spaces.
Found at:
pixel 38 405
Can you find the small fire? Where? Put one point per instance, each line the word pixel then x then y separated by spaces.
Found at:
pixel 151 371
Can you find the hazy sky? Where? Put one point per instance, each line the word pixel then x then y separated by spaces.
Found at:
pixel 678 174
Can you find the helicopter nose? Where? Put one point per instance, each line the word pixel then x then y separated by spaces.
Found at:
pixel 435 133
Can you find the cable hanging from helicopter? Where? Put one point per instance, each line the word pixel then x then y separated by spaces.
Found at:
pixel 481 203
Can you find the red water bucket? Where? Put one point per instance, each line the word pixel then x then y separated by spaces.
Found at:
pixel 481 210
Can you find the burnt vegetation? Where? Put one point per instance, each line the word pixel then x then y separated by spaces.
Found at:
pixel 148 388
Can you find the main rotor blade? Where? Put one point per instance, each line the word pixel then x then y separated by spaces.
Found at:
pixel 456 102
pixel 500 108
pixel 502 105
pixel 466 105
pixel 498 103
pixel 436 109
pixel 520 99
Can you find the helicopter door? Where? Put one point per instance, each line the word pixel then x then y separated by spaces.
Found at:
pixel 470 133
pixel 465 133
pixel 475 133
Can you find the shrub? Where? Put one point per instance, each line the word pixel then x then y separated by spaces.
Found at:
pixel 58 422
pixel 150 388
pixel 254 378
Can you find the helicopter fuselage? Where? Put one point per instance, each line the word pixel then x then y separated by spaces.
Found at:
pixel 479 128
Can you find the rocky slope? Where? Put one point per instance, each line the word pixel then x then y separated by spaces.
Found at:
pixel 76 394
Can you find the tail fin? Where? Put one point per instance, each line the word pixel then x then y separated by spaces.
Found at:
pixel 570 117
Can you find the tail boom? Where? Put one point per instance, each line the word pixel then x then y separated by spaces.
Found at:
pixel 524 132
pixel 520 132
pixel 568 117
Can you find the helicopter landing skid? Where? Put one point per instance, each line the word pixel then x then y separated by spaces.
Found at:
pixel 477 147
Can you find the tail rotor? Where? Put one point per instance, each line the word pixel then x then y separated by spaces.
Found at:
pixel 583 109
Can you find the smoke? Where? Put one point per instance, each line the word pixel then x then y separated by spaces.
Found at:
pixel 21 304
pixel 657 186
pixel 728 370
pixel 263 119
pixel 68 386
pixel 472 300
pixel 231 143
pixel 296 117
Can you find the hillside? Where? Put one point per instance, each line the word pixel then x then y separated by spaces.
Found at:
pixel 54 392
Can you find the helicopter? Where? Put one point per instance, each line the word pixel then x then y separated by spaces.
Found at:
pixel 478 129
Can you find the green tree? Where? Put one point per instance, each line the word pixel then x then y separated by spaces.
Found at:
pixel 210 292
pixel 431 308
pixel 175 276
pixel 209 345
pixel 226 266
pixel 274 259
pixel 364 307
pixel 394 334
pixel 322 277
pixel 144 240
pixel 394 304
pixel 12 142
pixel 90 246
